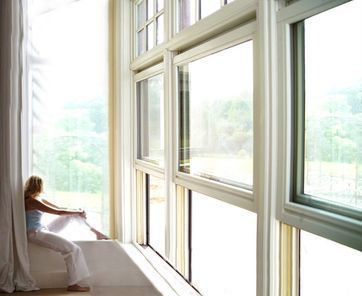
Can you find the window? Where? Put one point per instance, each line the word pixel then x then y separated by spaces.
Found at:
pixel 328 268
pixel 149 24
pixel 68 64
pixel 151 119
pixel 328 109
pixel 216 116
pixel 191 11
pixel 223 245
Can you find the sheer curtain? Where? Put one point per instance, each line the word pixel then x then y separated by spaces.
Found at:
pixel 14 261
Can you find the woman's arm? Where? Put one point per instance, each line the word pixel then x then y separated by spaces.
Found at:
pixel 34 204
pixel 48 203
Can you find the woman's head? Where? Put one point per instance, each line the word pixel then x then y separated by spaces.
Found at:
pixel 33 187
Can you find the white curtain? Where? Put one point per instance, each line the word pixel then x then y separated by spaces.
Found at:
pixel 14 261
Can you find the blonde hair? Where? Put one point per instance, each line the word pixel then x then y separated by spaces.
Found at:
pixel 33 186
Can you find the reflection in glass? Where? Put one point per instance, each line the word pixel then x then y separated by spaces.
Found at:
pixel 160 29
pixel 333 105
pixel 223 246
pixel 151 119
pixel 141 14
pixel 157 215
pixel 328 268
pixel 150 35
pixel 216 107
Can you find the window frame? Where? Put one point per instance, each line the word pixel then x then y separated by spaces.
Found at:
pixel 298 113
pixel 139 163
pixel 239 196
pixel 320 221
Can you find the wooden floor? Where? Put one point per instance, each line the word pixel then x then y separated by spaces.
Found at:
pixel 97 291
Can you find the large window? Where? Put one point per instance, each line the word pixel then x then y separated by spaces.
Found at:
pixel 216 116
pixel 195 125
pixel 69 97
pixel 328 109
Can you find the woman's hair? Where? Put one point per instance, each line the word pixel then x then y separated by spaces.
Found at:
pixel 33 186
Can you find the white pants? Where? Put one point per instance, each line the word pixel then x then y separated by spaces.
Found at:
pixel 73 256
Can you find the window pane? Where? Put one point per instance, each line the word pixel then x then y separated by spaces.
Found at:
pixel 223 248
pixel 141 14
pixel 151 119
pixel 150 35
pixel 333 105
pixel 187 13
pixel 216 106
pixel 141 44
pixel 150 8
pixel 208 7
pixel 157 215
pixel 160 29
pixel 69 96
pixel 328 268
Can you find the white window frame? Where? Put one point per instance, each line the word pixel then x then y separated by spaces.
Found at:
pixel 139 77
pixel 238 196
pixel 330 225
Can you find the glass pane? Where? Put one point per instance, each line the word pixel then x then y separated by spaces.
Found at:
pixel 141 44
pixel 160 29
pixel 208 7
pixel 216 106
pixel 187 13
pixel 157 215
pixel 150 9
pixel 223 248
pixel 141 14
pixel 333 105
pixel 151 119
pixel 328 268
pixel 150 35
pixel 160 5
pixel 69 82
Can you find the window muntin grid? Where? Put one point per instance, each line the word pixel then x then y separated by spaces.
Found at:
pixel 149 25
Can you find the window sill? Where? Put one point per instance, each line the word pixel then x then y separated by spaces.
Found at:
pixel 161 275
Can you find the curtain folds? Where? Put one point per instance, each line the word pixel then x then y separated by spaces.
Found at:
pixel 14 261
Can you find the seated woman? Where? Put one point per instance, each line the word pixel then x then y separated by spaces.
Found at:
pixel 45 235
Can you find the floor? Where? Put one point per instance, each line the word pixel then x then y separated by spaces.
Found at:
pixel 113 271
pixel 96 291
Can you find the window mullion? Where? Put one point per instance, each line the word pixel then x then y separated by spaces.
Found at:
pixel 171 232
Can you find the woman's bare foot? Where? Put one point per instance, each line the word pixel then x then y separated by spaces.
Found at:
pixel 99 235
pixel 77 288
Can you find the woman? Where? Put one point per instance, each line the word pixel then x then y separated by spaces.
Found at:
pixel 45 236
